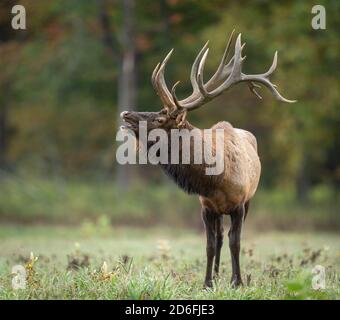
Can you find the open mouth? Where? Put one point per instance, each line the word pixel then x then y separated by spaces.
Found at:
pixel 129 121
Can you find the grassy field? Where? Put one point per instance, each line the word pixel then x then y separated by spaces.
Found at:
pixel 159 263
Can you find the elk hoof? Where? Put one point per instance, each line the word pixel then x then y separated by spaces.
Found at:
pixel 236 282
pixel 208 284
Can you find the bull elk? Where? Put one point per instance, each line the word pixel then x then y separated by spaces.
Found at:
pixel 228 193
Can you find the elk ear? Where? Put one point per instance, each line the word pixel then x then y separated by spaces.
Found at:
pixel 165 112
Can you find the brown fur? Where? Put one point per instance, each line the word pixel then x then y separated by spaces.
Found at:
pixel 242 168
pixel 241 174
pixel 228 193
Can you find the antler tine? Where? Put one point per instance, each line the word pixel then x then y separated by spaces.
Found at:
pixel 173 93
pixel 236 71
pixel 154 76
pixel 199 79
pixel 234 75
pixel 159 83
pixel 229 67
pixel 269 85
pixel 193 75
pixel 222 71
pixel 196 64
pixel 272 67
pixel 228 74
pixel 218 75
pixel 202 95
pixel 264 79
pixel 252 87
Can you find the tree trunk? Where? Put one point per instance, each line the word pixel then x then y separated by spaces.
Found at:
pixel 3 134
pixel 127 86
pixel 124 55
pixel 4 123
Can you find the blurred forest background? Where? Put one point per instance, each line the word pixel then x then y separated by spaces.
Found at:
pixel 65 79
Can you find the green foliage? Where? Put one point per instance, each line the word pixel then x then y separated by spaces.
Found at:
pixel 59 83
pixel 95 204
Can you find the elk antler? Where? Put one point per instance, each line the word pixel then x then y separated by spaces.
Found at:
pixel 226 75
pixel 221 73
pixel 159 84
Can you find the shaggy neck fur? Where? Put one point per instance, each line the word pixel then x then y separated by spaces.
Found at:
pixel 191 177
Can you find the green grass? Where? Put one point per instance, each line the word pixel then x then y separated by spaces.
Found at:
pixel 142 266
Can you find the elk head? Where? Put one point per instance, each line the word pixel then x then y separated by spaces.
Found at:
pixel 174 112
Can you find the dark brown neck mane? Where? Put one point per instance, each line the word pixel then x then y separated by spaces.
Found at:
pixel 190 177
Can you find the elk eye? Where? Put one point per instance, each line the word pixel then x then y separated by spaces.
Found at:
pixel 160 120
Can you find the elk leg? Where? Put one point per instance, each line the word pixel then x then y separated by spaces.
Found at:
pixel 219 242
pixel 209 218
pixel 246 208
pixel 234 244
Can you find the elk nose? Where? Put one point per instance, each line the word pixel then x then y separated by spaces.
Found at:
pixel 124 114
